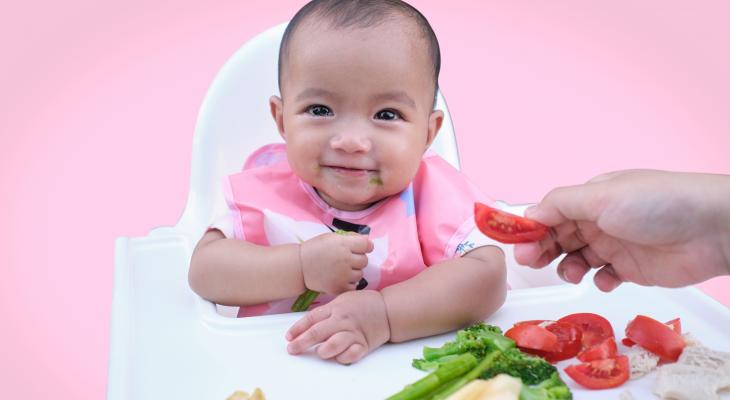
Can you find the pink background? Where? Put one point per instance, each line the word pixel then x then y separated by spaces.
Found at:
pixel 99 101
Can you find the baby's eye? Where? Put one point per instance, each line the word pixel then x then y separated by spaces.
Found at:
pixel 388 115
pixel 319 110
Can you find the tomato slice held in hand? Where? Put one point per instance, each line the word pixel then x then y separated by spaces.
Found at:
pixel 656 337
pixel 533 337
pixel 600 374
pixel 595 328
pixel 569 340
pixel 605 349
pixel 507 228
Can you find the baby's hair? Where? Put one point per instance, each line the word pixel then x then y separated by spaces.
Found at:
pixel 362 14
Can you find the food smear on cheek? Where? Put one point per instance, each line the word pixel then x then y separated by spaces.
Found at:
pixel 376 181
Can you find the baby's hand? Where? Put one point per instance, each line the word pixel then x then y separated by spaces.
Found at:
pixel 333 263
pixel 346 329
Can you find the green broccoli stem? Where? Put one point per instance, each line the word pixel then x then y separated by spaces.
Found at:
pixel 433 353
pixel 304 301
pixel 452 387
pixel 446 372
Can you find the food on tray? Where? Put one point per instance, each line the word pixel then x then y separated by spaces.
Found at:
pixel 641 362
pixel 239 395
pixel 655 337
pixel 552 340
pixel 605 349
pixel 505 227
pixel 482 352
pixel 594 327
pixel 600 374
pixel 462 368
pixel 501 387
pixel 699 373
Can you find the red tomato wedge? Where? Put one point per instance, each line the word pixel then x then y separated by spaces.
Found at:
pixel 675 324
pixel 569 340
pixel 605 349
pixel 595 328
pixel 533 337
pixel 600 374
pixel 507 228
pixel 655 337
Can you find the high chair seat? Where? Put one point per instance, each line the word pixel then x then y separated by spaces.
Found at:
pixel 166 342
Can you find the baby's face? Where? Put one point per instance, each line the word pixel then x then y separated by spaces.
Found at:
pixel 357 110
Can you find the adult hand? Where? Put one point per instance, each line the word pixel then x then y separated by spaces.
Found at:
pixel 648 227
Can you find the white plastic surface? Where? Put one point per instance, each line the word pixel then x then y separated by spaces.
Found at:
pixel 166 342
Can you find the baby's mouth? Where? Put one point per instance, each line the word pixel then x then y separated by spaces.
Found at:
pixel 356 172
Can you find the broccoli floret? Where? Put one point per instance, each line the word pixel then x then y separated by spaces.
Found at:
pixel 480 327
pixel 531 370
pixel 550 389
pixel 430 365
pixel 478 339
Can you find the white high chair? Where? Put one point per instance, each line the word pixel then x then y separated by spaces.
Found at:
pixel 166 342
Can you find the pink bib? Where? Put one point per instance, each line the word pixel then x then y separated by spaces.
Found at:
pixel 426 223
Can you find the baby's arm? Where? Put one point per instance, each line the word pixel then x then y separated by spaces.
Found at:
pixel 448 295
pixel 444 297
pixel 235 272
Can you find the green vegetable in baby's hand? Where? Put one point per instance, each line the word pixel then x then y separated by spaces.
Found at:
pixel 306 299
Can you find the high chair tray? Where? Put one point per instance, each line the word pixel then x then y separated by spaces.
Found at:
pixel 169 344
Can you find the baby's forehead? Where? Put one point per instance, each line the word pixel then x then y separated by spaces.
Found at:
pixel 395 26
pixel 319 36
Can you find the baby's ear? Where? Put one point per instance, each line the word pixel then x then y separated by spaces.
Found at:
pixel 277 112
pixel 434 124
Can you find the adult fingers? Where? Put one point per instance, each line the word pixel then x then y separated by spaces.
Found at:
pixel 354 353
pixel 538 254
pixel 309 319
pixel 336 344
pixel 606 279
pixel 576 203
pixel 573 267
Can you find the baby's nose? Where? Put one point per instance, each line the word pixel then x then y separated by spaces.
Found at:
pixel 351 143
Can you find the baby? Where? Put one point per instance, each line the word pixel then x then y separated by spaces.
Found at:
pixel 358 81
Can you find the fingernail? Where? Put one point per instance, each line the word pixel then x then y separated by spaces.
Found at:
pixel 573 276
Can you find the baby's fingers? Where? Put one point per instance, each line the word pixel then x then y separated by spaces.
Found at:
pixel 359 261
pixel 336 344
pixel 359 244
pixel 309 319
pixel 313 336
pixel 354 353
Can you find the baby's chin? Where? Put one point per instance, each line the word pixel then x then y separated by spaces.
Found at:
pixel 347 201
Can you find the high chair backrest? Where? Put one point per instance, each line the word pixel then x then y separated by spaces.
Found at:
pixel 235 119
